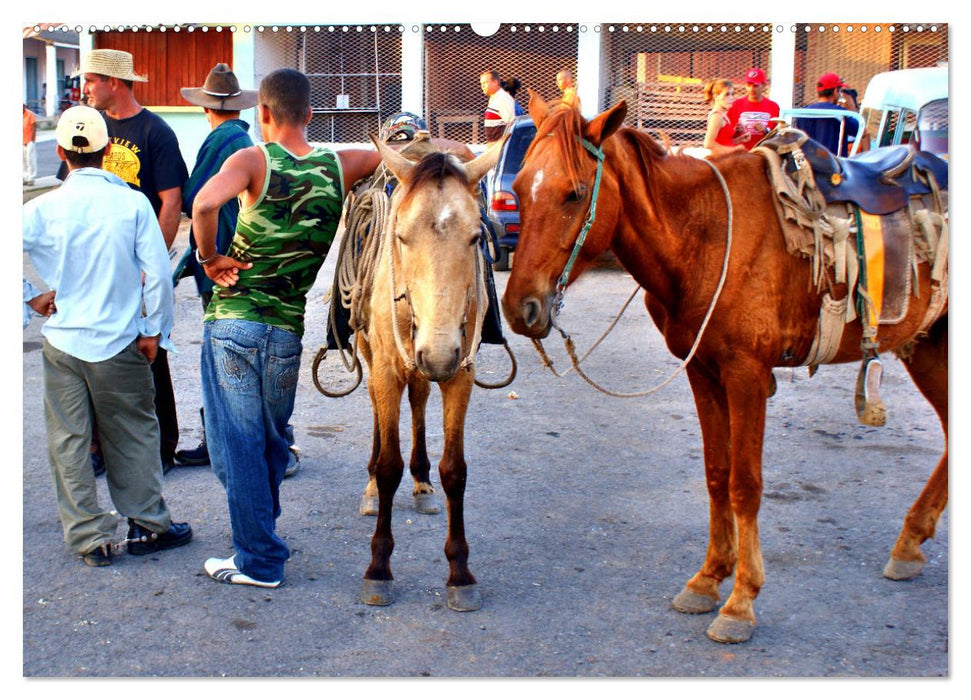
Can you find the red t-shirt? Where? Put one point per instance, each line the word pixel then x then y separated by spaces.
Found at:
pixel 753 117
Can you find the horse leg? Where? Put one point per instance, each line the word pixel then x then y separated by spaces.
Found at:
pixel 369 499
pixel 700 594
pixel 386 391
pixel 747 388
pixel 463 593
pixel 424 493
pixel 928 368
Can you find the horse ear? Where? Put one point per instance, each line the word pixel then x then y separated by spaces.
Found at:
pixel 538 109
pixel 400 167
pixel 485 162
pixel 603 125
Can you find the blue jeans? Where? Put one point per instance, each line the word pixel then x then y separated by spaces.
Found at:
pixel 249 381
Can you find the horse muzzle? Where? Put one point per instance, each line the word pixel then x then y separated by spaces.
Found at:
pixel 529 316
pixel 438 363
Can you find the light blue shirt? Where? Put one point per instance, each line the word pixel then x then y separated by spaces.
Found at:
pixel 30 291
pixel 90 240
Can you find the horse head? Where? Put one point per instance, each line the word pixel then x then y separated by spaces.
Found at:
pixel 436 261
pixel 560 190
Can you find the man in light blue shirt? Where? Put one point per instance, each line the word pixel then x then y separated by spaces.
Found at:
pixel 93 241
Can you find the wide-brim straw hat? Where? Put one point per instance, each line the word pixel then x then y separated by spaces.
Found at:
pixel 221 91
pixel 110 62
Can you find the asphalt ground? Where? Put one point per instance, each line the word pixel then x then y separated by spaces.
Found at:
pixel 585 515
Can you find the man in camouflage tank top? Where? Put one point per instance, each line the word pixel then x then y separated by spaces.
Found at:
pixel 291 196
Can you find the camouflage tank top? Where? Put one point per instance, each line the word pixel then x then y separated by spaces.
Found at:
pixel 286 234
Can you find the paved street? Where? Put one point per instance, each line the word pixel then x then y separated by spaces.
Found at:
pixel 585 516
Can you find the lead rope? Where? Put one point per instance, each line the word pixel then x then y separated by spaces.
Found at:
pixel 571 347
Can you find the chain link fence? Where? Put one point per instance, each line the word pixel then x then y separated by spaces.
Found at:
pixel 357 71
pixel 455 57
pixel 354 72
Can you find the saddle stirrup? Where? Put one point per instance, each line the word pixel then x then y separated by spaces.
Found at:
pixel 870 409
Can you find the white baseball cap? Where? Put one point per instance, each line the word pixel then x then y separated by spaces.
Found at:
pixel 82 129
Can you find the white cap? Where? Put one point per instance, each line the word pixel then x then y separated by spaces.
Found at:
pixel 85 122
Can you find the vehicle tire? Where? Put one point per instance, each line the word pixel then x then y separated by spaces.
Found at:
pixel 502 260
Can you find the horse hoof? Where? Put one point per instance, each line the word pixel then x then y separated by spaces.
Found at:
pixel 902 570
pixel 730 630
pixel 427 503
pixel 687 601
pixel 369 505
pixel 378 592
pixel 464 598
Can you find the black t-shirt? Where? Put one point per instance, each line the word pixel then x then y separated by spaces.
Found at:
pixel 145 154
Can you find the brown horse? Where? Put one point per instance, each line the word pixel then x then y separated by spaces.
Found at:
pixel 665 218
pixel 427 298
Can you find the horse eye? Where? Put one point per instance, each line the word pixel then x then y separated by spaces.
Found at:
pixel 578 194
pixel 475 239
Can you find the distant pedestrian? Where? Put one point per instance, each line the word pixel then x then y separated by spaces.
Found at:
pixel 720 133
pixel 30 146
pixel 752 114
pixel 103 332
pixel 502 107
pixel 827 130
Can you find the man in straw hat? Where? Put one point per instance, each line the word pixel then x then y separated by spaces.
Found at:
pixel 145 154
pixel 96 365
pixel 222 100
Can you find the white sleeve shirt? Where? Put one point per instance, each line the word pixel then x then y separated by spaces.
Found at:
pixel 90 240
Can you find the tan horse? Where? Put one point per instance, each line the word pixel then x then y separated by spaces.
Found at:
pixel 665 218
pixel 426 304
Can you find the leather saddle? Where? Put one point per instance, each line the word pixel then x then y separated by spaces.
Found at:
pixel 880 181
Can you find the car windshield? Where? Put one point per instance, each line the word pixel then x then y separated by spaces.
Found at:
pixel 932 127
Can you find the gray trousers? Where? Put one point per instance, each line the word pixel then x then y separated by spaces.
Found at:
pixel 119 393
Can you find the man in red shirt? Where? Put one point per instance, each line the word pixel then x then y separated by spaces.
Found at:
pixel 752 113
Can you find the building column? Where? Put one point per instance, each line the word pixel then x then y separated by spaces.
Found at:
pixel 589 75
pixel 50 77
pixel 782 77
pixel 412 70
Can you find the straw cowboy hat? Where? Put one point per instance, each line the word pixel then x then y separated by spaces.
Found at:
pixel 110 62
pixel 221 91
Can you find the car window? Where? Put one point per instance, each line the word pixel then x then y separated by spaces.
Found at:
pixel 518 145
pixel 932 122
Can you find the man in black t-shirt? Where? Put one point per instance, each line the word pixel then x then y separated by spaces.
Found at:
pixel 145 154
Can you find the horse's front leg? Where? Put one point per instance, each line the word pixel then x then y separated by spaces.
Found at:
pixel 748 390
pixel 463 592
pixel 700 594
pixel 386 390
pixel 424 493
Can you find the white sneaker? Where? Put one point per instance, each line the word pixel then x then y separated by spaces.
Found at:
pixel 293 465
pixel 225 571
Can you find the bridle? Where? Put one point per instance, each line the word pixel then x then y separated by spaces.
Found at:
pixel 557 302
pixel 557 305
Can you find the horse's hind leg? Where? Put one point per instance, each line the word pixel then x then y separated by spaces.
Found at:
pixel 928 367
pixel 700 594
pixel 386 391
pixel 424 493
pixel 463 593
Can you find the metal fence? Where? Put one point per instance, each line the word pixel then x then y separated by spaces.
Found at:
pixel 354 72
pixel 661 69
pixel 857 52
pixel 455 57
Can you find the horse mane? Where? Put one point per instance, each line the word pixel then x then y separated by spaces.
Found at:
pixel 434 168
pixel 566 127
